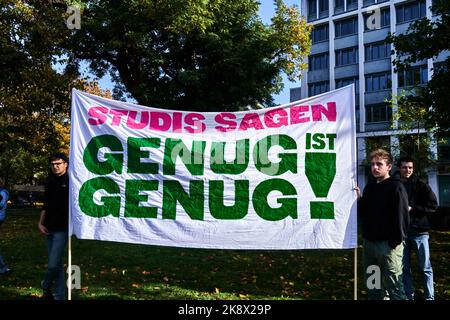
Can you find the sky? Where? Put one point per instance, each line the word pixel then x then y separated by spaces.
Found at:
pixel 267 10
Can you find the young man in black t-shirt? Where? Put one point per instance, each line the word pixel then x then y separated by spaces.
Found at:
pixel 53 223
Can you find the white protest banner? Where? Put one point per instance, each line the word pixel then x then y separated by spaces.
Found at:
pixel 275 178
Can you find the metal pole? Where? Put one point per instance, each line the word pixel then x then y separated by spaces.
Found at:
pixel 69 276
pixel 355 285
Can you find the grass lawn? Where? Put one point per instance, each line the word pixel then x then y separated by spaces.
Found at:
pixel 112 270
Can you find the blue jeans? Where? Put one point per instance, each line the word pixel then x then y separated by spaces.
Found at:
pixel 389 262
pixel 56 243
pixel 419 244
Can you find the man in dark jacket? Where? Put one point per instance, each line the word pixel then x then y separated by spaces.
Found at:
pixel 422 202
pixel 53 223
pixel 383 210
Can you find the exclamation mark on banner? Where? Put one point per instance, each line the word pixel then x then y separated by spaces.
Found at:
pixel 320 169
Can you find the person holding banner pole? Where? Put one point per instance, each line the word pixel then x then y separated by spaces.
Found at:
pixel 53 223
pixel 383 210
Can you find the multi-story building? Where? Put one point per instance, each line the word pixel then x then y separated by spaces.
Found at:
pixel 348 46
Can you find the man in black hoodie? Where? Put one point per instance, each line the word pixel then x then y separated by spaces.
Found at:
pixel 383 210
pixel 53 223
pixel 422 202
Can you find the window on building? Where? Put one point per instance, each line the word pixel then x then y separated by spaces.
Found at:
pixel 377 50
pixel 312 10
pixel 352 4
pixel 357 117
pixel 346 56
pixel 368 2
pixel 378 81
pixel 318 88
pixel 413 76
pixel 346 81
pixel 295 94
pixel 320 33
pixel 378 112
pixel 411 11
pixel 338 5
pixel 318 62
pixel 323 6
pixel 385 20
pixel 346 27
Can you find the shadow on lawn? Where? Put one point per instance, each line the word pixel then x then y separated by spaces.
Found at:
pixel 119 271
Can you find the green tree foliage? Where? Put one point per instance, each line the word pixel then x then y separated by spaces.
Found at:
pixel 191 54
pixel 34 97
pixel 411 117
pixel 419 145
pixel 426 39
pixel 186 54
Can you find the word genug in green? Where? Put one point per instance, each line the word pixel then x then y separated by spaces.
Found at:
pixel 193 199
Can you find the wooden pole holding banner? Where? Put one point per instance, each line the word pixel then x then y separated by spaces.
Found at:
pixel 355 285
pixel 69 276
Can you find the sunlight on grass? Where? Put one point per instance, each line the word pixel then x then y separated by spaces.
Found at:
pixel 118 271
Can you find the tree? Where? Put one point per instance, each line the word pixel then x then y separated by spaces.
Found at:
pixel 410 116
pixel 34 96
pixel 194 55
pixel 426 39
pixel 183 54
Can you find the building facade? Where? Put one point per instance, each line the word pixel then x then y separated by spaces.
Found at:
pixel 348 46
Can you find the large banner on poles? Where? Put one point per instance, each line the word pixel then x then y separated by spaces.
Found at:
pixel 276 178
